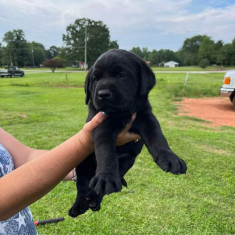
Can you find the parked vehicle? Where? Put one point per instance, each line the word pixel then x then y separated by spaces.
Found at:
pixel 228 87
pixel 11 71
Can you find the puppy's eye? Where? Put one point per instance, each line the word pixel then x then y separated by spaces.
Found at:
pixel 121 75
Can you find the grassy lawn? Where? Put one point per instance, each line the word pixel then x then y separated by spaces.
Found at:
pixel 192 68
pixel 155 68
pixel 44 109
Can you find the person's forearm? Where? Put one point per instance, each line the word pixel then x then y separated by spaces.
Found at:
pixel 19 152
pixel 34 179
pixel 38 153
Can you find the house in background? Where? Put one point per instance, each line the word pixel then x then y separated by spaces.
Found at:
pixel 171 64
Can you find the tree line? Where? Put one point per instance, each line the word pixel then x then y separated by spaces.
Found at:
pixel 199 50
pixel 86 39
pixel 17 51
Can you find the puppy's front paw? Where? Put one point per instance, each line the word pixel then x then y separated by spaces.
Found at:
pixel 170 162
pixel 106 183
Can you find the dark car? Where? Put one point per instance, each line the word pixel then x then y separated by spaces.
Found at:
pixel 11 71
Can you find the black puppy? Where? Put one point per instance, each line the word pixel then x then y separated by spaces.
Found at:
pixel 118 84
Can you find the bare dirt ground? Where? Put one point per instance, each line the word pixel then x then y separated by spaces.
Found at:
pixel 218 110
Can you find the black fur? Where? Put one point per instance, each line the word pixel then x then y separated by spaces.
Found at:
pixel 118 84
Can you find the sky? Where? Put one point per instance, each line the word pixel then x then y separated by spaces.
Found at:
pixel 154 24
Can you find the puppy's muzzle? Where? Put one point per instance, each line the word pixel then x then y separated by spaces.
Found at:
pixel 105 94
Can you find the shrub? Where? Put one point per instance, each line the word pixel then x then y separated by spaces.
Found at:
pixel 203 63
pixel 53 64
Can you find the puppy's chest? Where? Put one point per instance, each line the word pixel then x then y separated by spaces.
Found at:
pixel 118 123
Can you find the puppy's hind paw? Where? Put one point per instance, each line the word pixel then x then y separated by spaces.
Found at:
pixel 76 211
pixel 94 200
pixel 79 207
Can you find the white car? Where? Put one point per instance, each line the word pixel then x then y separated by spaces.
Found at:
pixel 228 87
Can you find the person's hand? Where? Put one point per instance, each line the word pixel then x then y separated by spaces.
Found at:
pixel 125 136
pixel 85 137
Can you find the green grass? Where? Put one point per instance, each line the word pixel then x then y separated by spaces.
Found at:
pixel 192 68
pixel 44 109
pixel 198 85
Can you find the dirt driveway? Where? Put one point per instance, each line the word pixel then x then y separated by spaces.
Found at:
pixel 218 110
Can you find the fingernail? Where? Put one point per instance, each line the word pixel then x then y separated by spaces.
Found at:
pixel 133 116
pixel 104 113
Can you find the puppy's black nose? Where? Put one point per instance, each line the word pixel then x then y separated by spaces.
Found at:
pixel 104 94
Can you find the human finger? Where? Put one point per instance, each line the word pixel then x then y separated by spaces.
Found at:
pixel 95 121
pixel 127 137
pixel 133 136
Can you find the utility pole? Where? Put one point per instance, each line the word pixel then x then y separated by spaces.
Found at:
pixel 11 58
pixel 85 65
pixel 33 57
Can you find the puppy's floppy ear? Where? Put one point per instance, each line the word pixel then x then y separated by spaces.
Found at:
pixel 87 85
pixel 147 78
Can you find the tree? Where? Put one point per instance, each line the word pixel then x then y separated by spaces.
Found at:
pixel 37 54
pixel 166 55
pixel 145 53
pixel 16 47
pixel 154 57
pixel 137 51
pixel 94 34
pixel 52 52
pixel 190 48
pixel 203 63
pixel 53 64
pixel 1 55
pixel 225 54
pixel 113 45
pixel 20 52
pixel 64 56
pixel 232 53
pixel 207 50
pixel 219 55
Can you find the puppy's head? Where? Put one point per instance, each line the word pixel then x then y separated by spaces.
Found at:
pixel 118 81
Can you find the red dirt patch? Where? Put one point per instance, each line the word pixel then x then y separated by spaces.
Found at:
pixel 219 110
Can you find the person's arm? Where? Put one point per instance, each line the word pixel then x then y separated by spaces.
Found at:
pixel 37 177
pixel 21 153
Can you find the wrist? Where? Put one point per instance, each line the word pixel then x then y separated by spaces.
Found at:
pixel 85 143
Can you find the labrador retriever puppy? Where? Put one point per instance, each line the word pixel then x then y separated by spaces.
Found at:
pixel 118 84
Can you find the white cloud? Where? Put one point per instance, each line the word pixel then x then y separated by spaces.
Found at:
pixel 218 23
pixel 129 21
